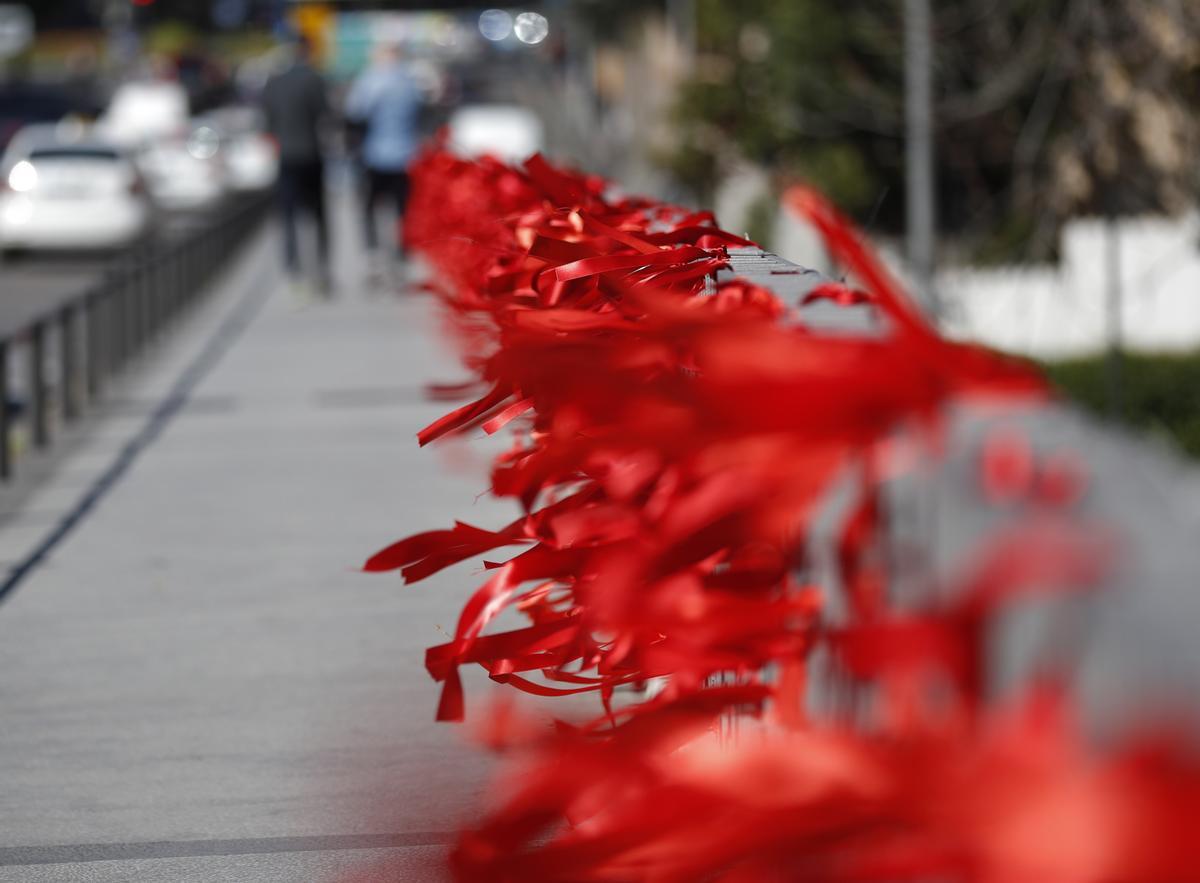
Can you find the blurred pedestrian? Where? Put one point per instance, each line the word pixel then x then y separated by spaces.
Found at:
pixel 296 106
pixel 385 102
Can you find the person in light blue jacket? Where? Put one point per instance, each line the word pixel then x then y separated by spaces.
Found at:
pixel 386 103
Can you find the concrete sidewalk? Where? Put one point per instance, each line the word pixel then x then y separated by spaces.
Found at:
pixel 196 684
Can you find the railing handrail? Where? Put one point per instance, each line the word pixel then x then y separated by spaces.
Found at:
pixel 103 326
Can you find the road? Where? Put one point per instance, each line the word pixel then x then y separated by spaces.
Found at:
pixel 33 286
pixel 34 283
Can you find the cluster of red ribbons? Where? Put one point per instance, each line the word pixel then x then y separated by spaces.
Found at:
pixel 674 441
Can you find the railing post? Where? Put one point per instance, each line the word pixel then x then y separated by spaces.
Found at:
pixel 5 421
pixel 116 324
pixel 137 319
pixel 69 364
pixel 101 331
pixel 204 259
pixel 157 308
pixel 125 314
pixel 170 273
pixel 180 262
pixel 183 259
pixel 133 315
pixel 166 272
pixel 39 413
pixel 96 345
pixel 146 276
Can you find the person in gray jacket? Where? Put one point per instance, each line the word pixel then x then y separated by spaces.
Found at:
pixel 296 105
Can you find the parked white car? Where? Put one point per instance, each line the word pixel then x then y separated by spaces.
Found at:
pixel 251 159
pixel 185 170
pixel 62 187
pixel 144 110
pixel 506 131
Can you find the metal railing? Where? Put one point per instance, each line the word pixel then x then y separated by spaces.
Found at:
pixel 74 347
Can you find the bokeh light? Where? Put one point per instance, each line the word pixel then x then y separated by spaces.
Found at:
pixel 531 27
pixel 495 24
pixel 204 143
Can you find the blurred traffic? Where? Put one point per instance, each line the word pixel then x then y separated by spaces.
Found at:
pixel 131 128
pixel 65 186
pixel 120 121
pixel 117 178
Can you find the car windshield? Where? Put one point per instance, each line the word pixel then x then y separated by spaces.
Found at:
pixel 73 153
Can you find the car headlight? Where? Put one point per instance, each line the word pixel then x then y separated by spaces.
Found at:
pixel 23 177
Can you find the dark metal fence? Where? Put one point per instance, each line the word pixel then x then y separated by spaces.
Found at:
pixel 75 347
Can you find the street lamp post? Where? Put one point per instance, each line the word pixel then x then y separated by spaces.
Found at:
pixel 918 112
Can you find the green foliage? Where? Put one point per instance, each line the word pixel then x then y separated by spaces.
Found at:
pixel 1044 109
pixel 693 166
pixel 1159 392
pixel 842 172
pixel 170 38
pixel 760 220
pixel 1006 242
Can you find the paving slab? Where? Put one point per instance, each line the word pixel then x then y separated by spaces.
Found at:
pixel 197 662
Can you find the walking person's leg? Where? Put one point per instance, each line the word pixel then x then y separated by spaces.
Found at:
pixel 317 204
pixel 372 191
pixel 400 190
pixel 377 259
pixel 288 192
pixel 397 192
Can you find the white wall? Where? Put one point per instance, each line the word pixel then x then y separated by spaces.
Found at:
pixel 1059 311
